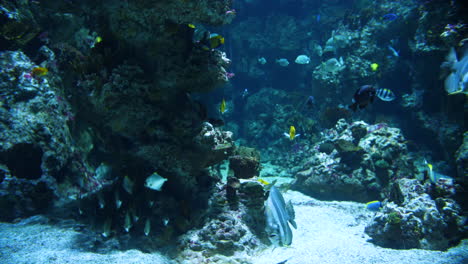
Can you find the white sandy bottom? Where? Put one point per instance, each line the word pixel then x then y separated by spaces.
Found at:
pixel 333 232
pixel 328 232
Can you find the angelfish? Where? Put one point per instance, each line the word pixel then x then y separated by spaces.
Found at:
pixel 278 214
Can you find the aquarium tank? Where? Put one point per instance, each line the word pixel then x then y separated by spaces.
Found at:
pixel 234 131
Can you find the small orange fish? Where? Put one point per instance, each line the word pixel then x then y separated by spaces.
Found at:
pixel 39 71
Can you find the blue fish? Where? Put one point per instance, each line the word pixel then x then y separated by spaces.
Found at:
pixel 390 17
pixel 310 103
pixel 373 206
pixel 318 17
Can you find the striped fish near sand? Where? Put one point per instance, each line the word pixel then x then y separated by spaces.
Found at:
pixel 277 216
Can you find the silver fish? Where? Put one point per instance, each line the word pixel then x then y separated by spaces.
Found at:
pixel 385 94
pixel 457 80
pixel 277 216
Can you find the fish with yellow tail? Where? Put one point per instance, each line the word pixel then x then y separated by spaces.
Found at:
pixel 433 176
pixel 222 106
pixel 292 133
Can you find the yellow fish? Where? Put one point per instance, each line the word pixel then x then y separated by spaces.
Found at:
pixel 39 71
pixel 262 181
pixel 215 40
pixel 222 106
pixel 374 66
pixel 98 39
pixel 292 132
pixel 191 25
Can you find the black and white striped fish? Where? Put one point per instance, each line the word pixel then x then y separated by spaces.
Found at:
pixel 385 94
pixel 278 214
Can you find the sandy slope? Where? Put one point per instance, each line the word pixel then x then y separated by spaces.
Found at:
pixel 328 232
pixel 333 232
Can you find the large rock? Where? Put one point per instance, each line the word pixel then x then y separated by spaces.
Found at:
pixel 413 220
pixel 34 138
pixel 354 162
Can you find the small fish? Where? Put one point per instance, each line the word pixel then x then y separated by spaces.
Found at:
pixel 292 132
pixel 282 62
pixel 215 40
pixel 362 97
pixel 231 12
pixel 101 201
pixel 373 206
pixel 302 59
pixel 128 222
pixel 278 214
pixel 222 106
pixel 457 79
pixel 262 60
pixel 262 181
pixel 155 182
pixel 390 17
pixel 385 94
pixel 118 202
pixel 147 229
pixel 317 18
pixel 98 39
pixel 393 51
pixel 206 40
pixel 128 184
pixel 166 221
pixel 39 71
pixel 245 93
pixel 106 228
pixel 191 26
pixel 374 67
pixel 284 261
pixel 433 176
pixel 310 102
pixel 135 217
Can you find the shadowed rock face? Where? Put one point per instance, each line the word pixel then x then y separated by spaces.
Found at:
pixel 115 96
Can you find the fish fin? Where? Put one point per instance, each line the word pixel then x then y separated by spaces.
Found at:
pixel 268 186
pixel 452 56
pixel 451 83
pixel 293 223
pixel 291 214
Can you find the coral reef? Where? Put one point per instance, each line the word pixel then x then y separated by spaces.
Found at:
pixel 245 163
pixel 411 219
pixel 35 139
pixel 99 116
pixel 355 162
pixel 107 115
pixel 230 229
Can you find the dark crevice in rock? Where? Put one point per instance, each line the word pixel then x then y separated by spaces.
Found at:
pixel 24 161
